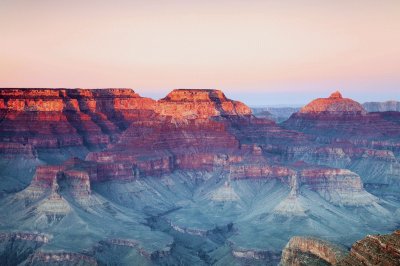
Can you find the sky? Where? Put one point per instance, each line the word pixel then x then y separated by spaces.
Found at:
pixel 259 52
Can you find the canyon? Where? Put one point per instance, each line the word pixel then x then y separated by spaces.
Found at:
pixel 100 176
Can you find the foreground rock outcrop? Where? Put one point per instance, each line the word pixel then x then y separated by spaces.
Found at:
pixel 375 250
pixel 311 251
pixel 372 250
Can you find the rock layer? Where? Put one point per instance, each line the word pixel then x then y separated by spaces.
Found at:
pixel 375 250
pixel 311 251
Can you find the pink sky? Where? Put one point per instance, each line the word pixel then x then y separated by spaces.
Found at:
pixel 261 52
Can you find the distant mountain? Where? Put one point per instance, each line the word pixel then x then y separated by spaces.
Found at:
pixel 382 106
pixel 278 114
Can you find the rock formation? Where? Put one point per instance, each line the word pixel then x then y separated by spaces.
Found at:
pixel 375 250
pixel 372 250
pixel 60 258
pixel 335 104
pixel 54 118
pixel 193 178
pixel 278 114
pixel 382 106
pixel 340 117
pixel 200 104
pixel 311 251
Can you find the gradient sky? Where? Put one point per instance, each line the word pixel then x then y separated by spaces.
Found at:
pixel 259 52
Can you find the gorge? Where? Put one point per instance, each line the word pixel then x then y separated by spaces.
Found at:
pixel 100 176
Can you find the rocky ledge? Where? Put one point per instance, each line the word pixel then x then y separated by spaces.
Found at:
pixel 375 250
pixel 185 103
pixel 59 258
pixel 372 250
pixel 56 118
pixel 311 251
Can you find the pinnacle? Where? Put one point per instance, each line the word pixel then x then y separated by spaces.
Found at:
pixel 336 95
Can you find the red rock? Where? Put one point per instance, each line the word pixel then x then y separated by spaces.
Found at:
pixel 191 104
pixel 334 104
pixel 252 171
pixel 375 250
pixel 299 249
pixel 328 178
pixel 337 117
pixel 54 118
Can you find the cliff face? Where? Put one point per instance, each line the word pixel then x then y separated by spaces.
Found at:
pixel 340 117
pixel 375 250
pixel 278 114
pixel 339 186
pixel 60 258
pixel 372 250
pixel 343 135
pixel 161 178
pixel 382 106
pixel 335 104
pixel 54 118
pixel 191 104
pixel 18 246
pixel 311 251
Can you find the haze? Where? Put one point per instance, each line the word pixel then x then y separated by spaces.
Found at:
pixel 259 52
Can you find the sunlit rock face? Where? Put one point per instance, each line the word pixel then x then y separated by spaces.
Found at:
pixel 340 117
pixel 192 179
pixel 56 118
pixel 192 104
pixel 335 104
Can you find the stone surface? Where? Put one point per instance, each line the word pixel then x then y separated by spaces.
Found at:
pixel 375 250
pixel 192 104
pixel 335 104
pixel 193 178
pixel 382 106
pixel 311 251
pixel 371 250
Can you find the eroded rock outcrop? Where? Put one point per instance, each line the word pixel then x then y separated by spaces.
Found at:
pixel 51 183
pixel 200 104
pixel 54 118
pixel 59 258
pixel 311 251
pixel 382 106
pixel 375 250
pixel 340 117
pixel 335 104
pixel 372 250
pixel 17 246
pixel 338 186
